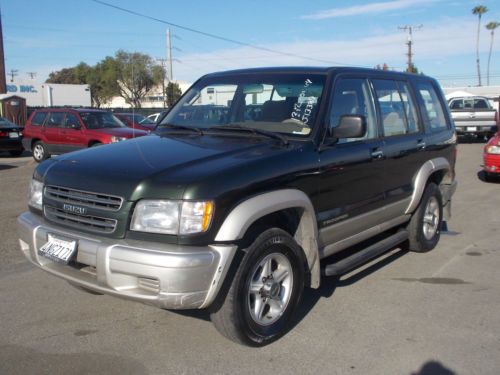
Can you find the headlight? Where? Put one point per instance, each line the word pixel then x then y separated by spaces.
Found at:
pixel 35 194
pixel 117 139
pixel 493 149
pixel 172 217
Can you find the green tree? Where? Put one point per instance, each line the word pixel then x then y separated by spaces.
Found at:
pixel 490 26
pixel 173 93
pixel 136 75
pixel 103 81
pixel 412 69
pixel 74 75
pixel 479 11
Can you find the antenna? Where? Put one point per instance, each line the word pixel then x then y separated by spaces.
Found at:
pixel 409 43
pixel 31 74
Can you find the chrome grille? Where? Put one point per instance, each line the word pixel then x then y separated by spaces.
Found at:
pixel 88 222
pixel 84 198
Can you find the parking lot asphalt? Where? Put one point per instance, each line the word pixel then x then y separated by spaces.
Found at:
pixel 433 313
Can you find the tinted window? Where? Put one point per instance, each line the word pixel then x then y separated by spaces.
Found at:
pixel 99 120
pixel 352 97
pixel 71 120
pixel 457 104
pixel 480 104
pixel 55 120
pixel 432 106
pixel 38 118
pixel 392 108
pixel 410 107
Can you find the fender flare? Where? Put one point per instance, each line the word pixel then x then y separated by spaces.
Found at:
pixel 422 177
pixel 247 212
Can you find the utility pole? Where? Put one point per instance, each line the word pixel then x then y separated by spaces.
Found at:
pixel 12 74
pixel 163 63
pixel 31 74
pixel 409 43
pixel 3 80
pixel 169 57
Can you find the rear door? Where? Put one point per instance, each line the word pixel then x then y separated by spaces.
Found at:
pixel 404 140
pixel 351 197
pixel 72 134
pixel 53 137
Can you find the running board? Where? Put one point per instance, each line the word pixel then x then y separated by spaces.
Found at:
pixel 361 257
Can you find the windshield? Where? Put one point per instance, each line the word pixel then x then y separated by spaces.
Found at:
pixel 281 103
pixel 99 120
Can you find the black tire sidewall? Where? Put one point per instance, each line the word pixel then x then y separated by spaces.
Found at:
pixel 273 241
pixel 423 244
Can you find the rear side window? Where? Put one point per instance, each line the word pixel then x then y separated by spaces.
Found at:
pixel 397 107
pixel 55 120
pixel 38 118
pixel 432 107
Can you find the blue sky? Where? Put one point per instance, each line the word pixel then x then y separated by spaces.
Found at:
pixel 43 36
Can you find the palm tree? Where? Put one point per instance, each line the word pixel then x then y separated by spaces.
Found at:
pixel 491 26
pixel 479 10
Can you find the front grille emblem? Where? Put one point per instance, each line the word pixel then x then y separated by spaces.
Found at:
pixel 78 210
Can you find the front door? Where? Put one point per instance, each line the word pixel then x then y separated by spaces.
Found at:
pixel 351 196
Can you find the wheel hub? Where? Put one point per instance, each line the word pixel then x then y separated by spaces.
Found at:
pixel 270 289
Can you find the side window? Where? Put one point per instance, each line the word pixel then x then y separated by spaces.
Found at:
pixel 352 97
pixel 71 121
pixel 432 106
pixel 480 104
pixel 457 104
pixel 392 107
pixel 38 118
pixel 409 107
pixel 55 120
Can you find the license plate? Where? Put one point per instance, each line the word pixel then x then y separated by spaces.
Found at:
pixel 471 128
pixel 13 135
pixel 57 249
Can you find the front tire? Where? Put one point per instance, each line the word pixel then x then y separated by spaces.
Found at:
pixel 40 152
pixel 425 224
pixel 265 291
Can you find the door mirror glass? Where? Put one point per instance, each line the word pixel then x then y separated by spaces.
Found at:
pixel 350 126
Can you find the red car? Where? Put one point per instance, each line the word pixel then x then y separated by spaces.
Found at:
pixel 60 130
pixel 491 157
pixel 136 121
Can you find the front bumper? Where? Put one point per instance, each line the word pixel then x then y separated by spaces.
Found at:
pixel 165 275
pixel 491 163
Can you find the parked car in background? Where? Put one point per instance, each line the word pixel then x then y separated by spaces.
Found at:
pixel 136 121
pixel 491 158
pixel 474 115
pixel 11 137
pixel 51 131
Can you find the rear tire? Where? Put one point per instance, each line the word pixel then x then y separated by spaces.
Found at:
pixel 265 291
pixel 425 224
pixel 40 152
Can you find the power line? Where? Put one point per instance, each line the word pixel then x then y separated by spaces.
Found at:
pixel 214 36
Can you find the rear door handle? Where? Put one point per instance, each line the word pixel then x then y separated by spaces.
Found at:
pixel 377 154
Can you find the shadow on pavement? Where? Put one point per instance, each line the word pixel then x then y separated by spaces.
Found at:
pixel 433 368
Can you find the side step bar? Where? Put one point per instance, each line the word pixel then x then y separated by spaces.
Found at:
pixel 361 257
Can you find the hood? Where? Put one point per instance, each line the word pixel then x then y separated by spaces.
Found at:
pixel 155 166
pixel 122 132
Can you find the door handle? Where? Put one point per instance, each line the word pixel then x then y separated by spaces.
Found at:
pixel 421 145
pixel 378 154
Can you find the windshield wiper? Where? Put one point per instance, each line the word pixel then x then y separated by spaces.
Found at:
pixel 266 133
pixel 181 127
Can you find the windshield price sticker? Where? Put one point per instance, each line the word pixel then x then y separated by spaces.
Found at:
pixel 57 249
pixel 303 108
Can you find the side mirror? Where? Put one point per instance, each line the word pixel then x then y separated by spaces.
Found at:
pixel 350 126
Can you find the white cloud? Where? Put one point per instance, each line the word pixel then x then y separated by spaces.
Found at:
pixel 355 10
pixel 434 42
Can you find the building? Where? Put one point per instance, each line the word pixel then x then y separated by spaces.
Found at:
pixel 50 94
